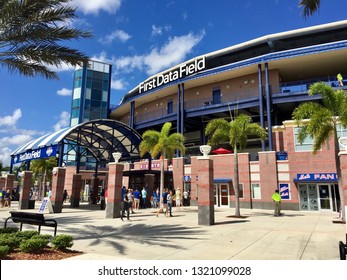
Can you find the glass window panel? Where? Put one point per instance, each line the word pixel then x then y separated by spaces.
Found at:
pixel 255 190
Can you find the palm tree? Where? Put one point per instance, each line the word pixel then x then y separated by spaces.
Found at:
pixel 309 7
pixel 30 33
pixel 43 167
pixel 322 123
pixel 236 132
pixel 164 144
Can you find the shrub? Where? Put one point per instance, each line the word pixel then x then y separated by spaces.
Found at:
pixel 8 230
pixel 45 236
pixel 4 251
pixel 10 240
pixel 62 241
pixel 33 245
pixel 27 234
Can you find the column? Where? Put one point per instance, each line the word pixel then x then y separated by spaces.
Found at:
pixel 58 181
pixel 95 185
pixel 206 192
pixel 114 190
pixel 268 106
pixel 343 161
pixel 24 193
pixel 178 172
pixel 75 193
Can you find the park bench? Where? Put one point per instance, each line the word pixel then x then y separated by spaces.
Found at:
pixel 32 219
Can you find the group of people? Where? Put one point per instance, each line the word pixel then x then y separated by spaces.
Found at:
pixel 136 199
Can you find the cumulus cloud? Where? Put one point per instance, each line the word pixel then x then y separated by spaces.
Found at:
pixel 64 121
pixel 171 53
pixel 12 119
pixel 64 92
pixel 158 59
pixel 94 6
pixel 117 84
pixel 118 34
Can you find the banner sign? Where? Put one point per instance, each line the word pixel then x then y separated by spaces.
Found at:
pixel 327 177
pixel 284 191
pixel 186 178
pixel 44 152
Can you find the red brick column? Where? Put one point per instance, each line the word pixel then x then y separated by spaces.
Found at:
pixel 9 185
pixel 114 190
pixel 75 190
pixel 205 192
pixel 178 172
pixel 25 191
pixel 268 176
pixel 58 181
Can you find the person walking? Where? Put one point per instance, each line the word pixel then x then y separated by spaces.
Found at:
pixel 161 210
pixel 178 198
pixel 126 205
pixel 276 198
pixel 169 204
pixel 144 196
pixel 340 79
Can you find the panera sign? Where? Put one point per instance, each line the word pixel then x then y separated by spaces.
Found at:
pixel 183 70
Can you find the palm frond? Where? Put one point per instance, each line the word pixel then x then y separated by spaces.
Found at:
pixel 309 7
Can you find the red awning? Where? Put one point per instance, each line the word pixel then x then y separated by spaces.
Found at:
pixel 220 151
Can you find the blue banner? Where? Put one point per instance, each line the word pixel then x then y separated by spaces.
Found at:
pixel 309 177
pixel 44 152
pixel 284 191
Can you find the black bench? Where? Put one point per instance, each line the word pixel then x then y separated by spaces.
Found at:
pixel 32 219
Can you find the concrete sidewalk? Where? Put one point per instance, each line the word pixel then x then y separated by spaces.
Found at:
pixel 258 236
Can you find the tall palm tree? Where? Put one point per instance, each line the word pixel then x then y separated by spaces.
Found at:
pixel 309 7
pixel 30 35
pixel 43 168
pixel 164 144
pixel 322 123
pixel 236 132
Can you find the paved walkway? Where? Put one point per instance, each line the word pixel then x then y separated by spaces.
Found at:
pixel 258 236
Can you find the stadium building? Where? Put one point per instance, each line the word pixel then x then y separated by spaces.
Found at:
pixel 265 78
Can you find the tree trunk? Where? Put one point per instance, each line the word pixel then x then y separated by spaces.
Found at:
pixel 162 180
pixel 236 182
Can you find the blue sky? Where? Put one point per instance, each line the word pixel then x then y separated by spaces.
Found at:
pixel 140 38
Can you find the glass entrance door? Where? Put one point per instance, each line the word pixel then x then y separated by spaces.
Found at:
pixel 221 195
pixel 324 197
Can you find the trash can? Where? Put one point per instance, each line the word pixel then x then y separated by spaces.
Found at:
pixel 31 204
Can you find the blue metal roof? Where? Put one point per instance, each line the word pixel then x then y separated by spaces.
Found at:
pixel 100 137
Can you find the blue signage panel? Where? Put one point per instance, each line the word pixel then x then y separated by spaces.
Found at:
pixel 309 177
pixel 44 152
pixel 284 191
pixel 186 178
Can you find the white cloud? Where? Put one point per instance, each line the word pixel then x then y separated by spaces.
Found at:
pixel 63 67
pixel 117 34
pixel 172 53
pixel 15 140
pixel 158 30
pixel 94 6
pixel 117 84
pixel 5 156
pixel 64 92
pixel 64 121
pixel 11 120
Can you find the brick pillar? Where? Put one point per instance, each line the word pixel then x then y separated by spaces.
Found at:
pixel 178 172
pixel 9 185
pixel 75 194
pixel 268 176
pixel 114 190
pixel 58 181
pixel 25 191
pixel 205 192
pixel 194 179
pixel 149 183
